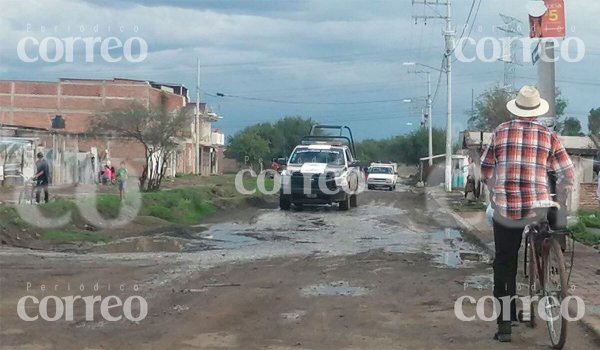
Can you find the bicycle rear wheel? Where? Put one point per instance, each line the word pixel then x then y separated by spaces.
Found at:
pixel 555 291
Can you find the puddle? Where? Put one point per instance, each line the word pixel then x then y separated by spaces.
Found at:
pixel 339 288
pixel 446 236
pixel 224 240
pixel 142 244
pixel 275 233
pixel 448 248
pixel 458 258
pixel 194 242
pixel 449 259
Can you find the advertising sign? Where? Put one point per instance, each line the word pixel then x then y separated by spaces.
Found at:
pixel 547 19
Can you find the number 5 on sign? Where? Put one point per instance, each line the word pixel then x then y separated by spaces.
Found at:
pixel 553 22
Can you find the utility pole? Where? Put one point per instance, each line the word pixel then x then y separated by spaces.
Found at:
pixel 511 27
pixel 428 105
pixel 197 169
pixel 430 118
pixel 449 49
pixel 546 70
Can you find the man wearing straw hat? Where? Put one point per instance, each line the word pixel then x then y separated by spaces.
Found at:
pixel 515 168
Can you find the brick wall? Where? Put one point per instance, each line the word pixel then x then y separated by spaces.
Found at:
pixel 34 104
pixel 587 196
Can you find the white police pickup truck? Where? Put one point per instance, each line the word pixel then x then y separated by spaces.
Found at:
pixel 321 170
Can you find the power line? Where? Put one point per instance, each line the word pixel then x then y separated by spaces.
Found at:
pixel 467 21
pixel 471 26
pixel 219 94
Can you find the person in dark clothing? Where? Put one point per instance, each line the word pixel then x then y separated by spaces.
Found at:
pixel 42 177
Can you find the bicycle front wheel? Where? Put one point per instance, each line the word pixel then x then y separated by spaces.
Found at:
pixel 555 291
pixel 532 276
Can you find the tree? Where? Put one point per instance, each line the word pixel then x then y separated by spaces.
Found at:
pixel 248 147
pixel 290 131
pixel 570 127
pixel 154 128
pixel 407 149
pixel 279 138
pixel 594 121
pixel 490 108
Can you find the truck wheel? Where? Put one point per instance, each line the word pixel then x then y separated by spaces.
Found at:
pixel 284 203
pixel 345 204
pixel 354 201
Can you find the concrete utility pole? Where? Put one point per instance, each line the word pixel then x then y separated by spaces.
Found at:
pixel 197 169
pixel 428 105
pixel 449 34
pixel 430 118
pixel 547 78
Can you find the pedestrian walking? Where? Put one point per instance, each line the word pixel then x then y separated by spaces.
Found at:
pixel 514 168
pixel 473 180
pixel 41 177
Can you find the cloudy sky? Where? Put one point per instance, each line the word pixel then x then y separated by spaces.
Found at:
pixel 336 61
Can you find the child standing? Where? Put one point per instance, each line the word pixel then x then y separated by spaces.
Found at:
pixel 122 179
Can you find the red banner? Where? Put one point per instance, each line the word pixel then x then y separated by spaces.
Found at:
pixel 552 24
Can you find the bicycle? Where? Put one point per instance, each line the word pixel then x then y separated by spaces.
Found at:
pixel 546 273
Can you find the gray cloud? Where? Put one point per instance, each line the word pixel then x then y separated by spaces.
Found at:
pixel 310 51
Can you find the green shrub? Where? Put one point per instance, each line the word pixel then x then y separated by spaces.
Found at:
pixel 581 230
pixel 160 212
pixel 183 206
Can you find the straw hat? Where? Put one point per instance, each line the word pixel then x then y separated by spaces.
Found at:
pixel 528 103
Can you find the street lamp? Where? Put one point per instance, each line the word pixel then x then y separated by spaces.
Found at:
pixel 448 170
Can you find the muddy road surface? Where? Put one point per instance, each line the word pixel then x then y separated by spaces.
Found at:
pixel 385 275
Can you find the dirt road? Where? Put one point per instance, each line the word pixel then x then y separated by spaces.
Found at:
pixel 383 276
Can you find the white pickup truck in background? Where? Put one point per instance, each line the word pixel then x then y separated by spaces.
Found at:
pixel 382 175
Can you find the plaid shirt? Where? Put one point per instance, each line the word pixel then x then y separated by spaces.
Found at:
pixel 518 158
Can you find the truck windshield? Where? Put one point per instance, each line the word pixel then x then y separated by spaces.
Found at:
pixel 326 156
pixel 380 170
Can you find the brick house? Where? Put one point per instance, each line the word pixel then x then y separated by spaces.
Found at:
pixel 33 105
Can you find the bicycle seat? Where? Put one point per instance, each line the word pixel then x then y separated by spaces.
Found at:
pixel 545 205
